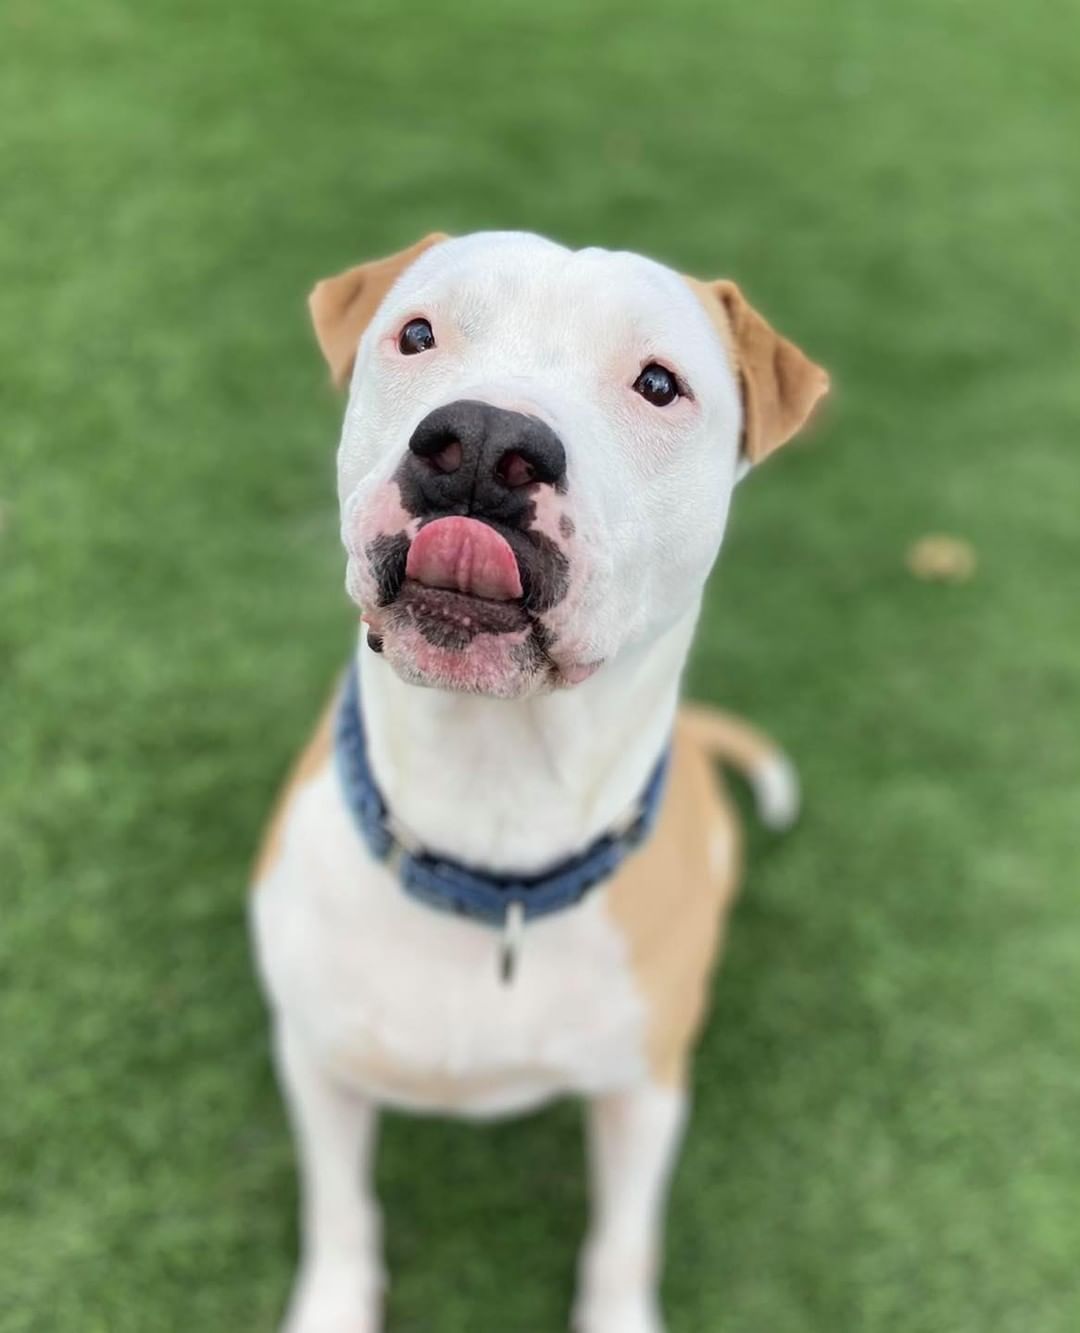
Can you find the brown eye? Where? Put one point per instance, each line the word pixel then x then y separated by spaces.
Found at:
pixel 657 385
pixel 415 337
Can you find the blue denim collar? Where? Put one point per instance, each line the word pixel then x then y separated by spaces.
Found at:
pixel 465 890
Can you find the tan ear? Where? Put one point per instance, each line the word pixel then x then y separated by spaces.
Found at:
pixel 780 385
pixel 342 307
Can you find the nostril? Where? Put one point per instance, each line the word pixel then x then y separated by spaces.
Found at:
pixel 474 454
pixel 514 469
pixel 448 458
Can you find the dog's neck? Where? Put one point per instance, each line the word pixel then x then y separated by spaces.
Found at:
pixel 516 786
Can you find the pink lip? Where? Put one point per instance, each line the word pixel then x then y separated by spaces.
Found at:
pixel 466 556
pixel 577 672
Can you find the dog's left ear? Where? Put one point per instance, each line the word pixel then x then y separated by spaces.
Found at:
pixel 780 384
pixel 342 307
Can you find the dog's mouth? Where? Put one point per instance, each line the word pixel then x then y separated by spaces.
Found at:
pixel 457 579
pixel 463 575
pixel 467 557
pixel 452 619
pixel 461 605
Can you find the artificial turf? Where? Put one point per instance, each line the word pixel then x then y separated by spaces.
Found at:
pixel 888 1098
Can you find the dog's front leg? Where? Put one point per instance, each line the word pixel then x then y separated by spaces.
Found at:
pixel 633 1138
pixel 338 1288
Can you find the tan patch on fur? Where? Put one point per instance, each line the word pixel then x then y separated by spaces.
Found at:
pixel 343 306
pixel 726 737
pixel 671 900
pixel 313 759
pixel 718 316
pixel 780 385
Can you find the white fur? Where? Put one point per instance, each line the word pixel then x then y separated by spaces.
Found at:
pixel 525 324
pixel 541 777
pixel 633 1138
pixel 389 995
pixel 381 1001
pixel 776 791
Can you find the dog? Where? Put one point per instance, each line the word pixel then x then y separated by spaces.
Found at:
pixel 501 869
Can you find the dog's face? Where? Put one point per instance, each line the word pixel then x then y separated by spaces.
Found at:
pixel 539 450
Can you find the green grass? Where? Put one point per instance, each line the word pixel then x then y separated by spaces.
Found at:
pixel 888 1097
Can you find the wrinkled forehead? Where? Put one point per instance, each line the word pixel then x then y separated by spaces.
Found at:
pixel 543 300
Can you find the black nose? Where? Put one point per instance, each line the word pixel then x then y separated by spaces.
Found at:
pixel 472 458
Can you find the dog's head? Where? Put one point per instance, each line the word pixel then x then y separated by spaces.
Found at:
pixel 539 449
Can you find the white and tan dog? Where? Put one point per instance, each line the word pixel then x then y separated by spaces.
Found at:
pixel 537 458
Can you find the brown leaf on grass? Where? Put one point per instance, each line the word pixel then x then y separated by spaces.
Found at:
pixel 939 558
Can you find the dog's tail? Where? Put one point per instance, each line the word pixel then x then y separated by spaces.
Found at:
pixel 768 770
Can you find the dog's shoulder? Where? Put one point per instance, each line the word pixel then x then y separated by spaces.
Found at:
pixel 312 761
pixel 670 899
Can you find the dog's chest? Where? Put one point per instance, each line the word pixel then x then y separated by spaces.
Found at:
pixel 408 1003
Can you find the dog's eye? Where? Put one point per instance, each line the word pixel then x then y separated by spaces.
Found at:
pixel 657 385
pixel 415 337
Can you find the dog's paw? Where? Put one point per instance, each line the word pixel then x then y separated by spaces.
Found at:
pixel 627 1314
pixel 338 1299
pixel 617 1289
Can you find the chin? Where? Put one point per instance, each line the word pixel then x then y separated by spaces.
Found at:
pixel 449 650
pixel 467 605
pixel 485 666
pixel 455 647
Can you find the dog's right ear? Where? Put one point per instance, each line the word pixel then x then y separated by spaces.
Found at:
pixel 780 385
pixel 342 307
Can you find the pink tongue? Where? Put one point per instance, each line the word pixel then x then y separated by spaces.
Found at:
pixel 467 555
